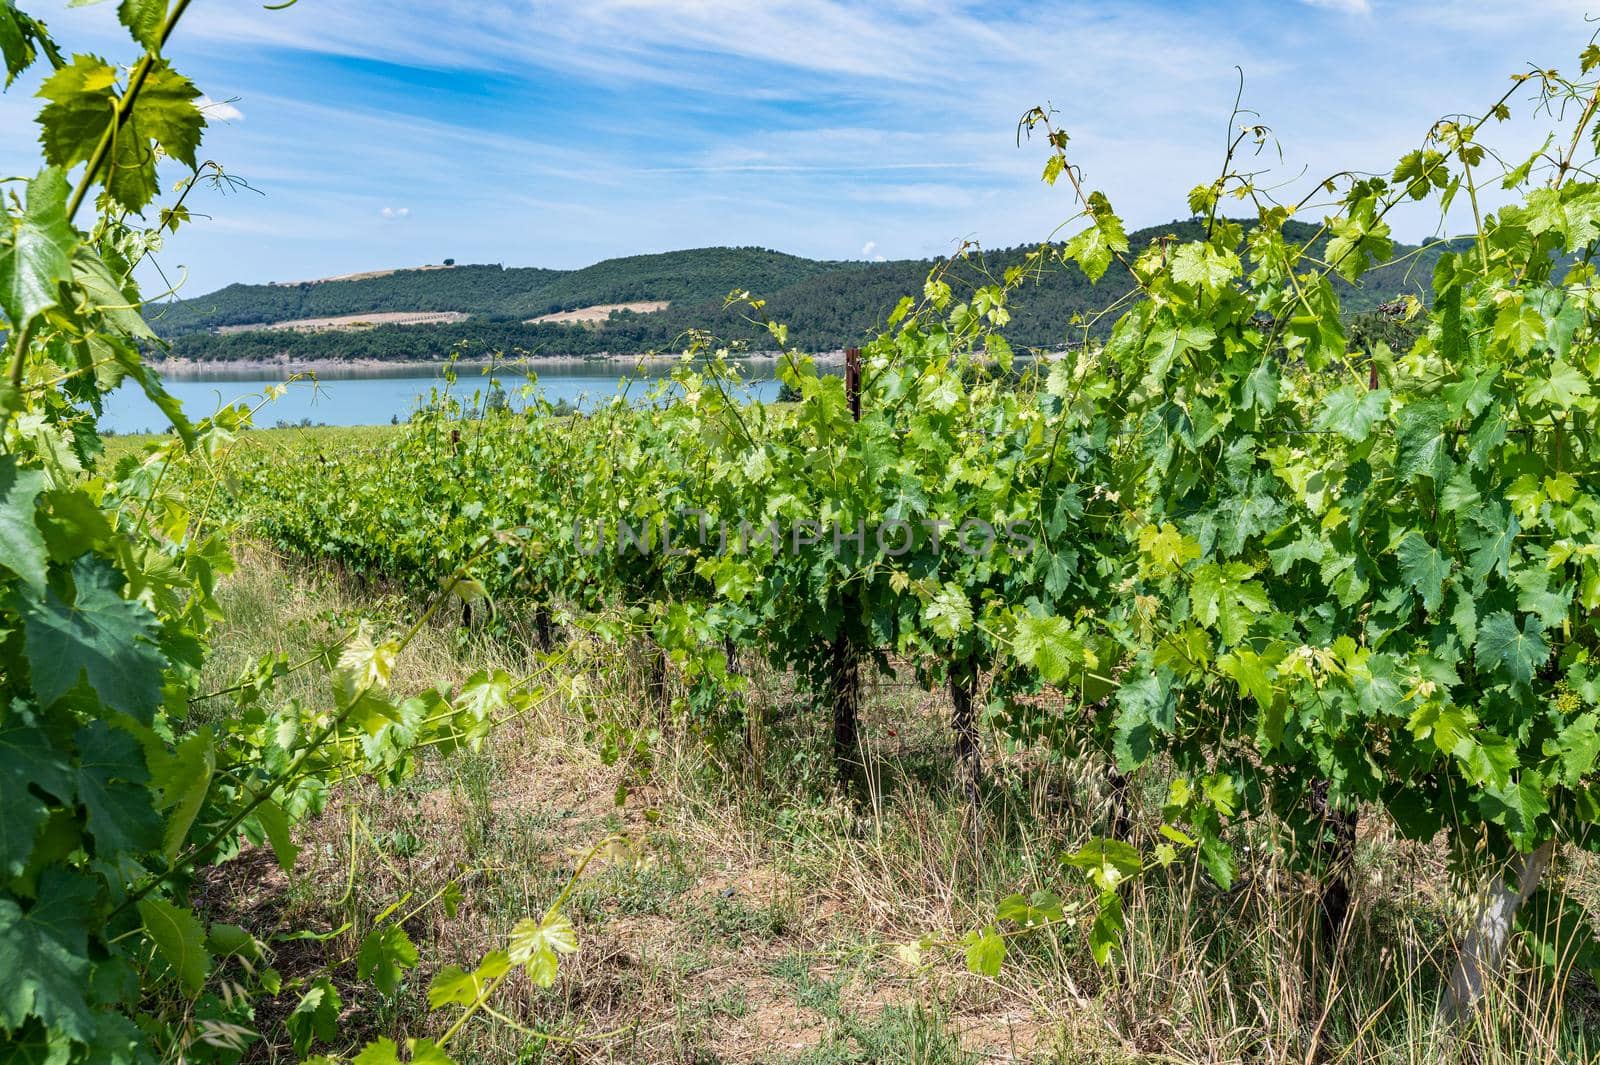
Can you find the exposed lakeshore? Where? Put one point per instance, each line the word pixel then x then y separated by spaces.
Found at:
pixel 202 368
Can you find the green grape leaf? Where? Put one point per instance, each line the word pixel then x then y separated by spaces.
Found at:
pixel 1578 746
pixel 985 951
pixel 184 779
pixel 27 761
pixel 1095 247
pixel 1520 326
pixel 1557 384
pixel 37 257
pixel 1262 385
pixel 275 823
pixel 1516 652
pixel 107 297
pixel 143 19
pixel 427 1052
pixel 1167 341
pixel 1249 671
pixel 44 956
pixel 99 636
pixel 536 944
pixel 1488 534
pixel 111 784
pixel 315 1016
pixel 21 544
pixel 1204 266
pixel 1041 907
pixel 1424 568
pixel 1421 170
pixel 1421 440
pixel 1489 759
pixel 231 941
pixel 1108 862
pixel 1518 806
pixel 381 1051
pixel 1226 599
pixel 364 666
pixel 36 1044
pixel 1359 240
pixel 948 613
pixel 453 986
pixel 1105 935
pixel 1217 857
pixel 1145 707
pixel 18 33
pixel 485 694
pixel 1352 411
pixel 1047 645
pixel 166 113
pixel 386 953
pixel 180 939
pixel 1092 251
pixel 82 96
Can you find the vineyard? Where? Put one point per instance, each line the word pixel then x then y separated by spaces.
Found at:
pixel 1204 626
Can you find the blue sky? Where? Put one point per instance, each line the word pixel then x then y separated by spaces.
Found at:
pixel 531 133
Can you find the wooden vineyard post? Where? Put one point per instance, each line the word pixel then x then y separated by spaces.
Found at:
pixel 844 667
pixel 852 381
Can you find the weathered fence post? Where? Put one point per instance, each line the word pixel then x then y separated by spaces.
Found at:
pixel 1483 952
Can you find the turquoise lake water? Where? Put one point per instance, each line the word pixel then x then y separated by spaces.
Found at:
pixel 377 396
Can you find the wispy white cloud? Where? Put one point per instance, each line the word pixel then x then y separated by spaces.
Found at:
pixel 1353 7
pixel 394 214
pixel 556 134
pixel 804 168
pixel 219 110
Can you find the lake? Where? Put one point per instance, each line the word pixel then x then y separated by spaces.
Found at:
pixel 376 396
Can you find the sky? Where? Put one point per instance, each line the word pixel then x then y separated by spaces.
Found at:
pixel 530 133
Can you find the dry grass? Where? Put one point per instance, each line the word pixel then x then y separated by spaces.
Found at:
pixel 600 312
pixel 348 322
pixel 763 925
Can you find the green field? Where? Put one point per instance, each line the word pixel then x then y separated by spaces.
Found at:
pixel 297 441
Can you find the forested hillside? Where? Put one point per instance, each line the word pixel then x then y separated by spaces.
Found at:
pixel 495 291
pixel 827 305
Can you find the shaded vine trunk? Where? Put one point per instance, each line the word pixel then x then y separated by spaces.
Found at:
pixel 1119 823
pixel 753 738
pixel 656 684
pixel 844 698
pixel 844 665
pixel 1484 949
pixel 543 628
pixel 1336 849
pixel 963 721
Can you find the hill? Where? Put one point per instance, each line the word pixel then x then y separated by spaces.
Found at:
pixel 495 291
pixel 828 305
